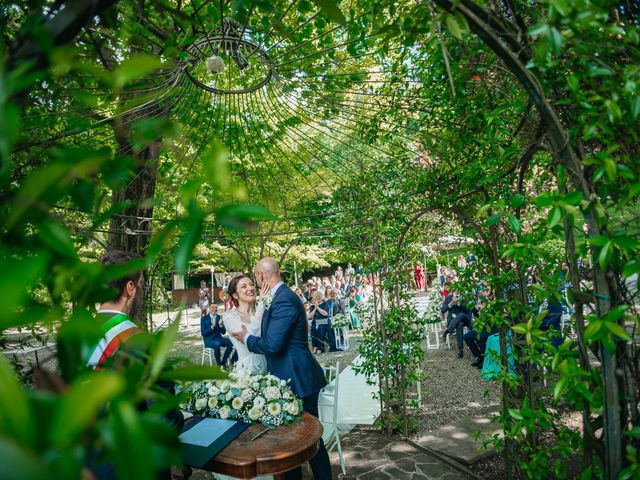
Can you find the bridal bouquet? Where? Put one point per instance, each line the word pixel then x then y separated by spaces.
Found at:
pixel 340 321
pixel 247 397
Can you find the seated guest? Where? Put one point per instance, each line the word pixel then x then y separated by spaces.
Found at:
pixel 476 339
pixel 212 331
pixel 334 307
pixel 320 325
pixel 551 320
pixel 458 316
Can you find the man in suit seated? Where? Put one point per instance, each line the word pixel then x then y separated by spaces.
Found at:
pixel 458 317
pixel 212 331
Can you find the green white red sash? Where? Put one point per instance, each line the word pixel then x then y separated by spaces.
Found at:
pixel 116 330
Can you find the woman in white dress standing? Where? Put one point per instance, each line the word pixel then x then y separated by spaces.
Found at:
pixel 248 312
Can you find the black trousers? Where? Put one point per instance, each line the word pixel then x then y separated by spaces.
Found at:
pixel 457 324
pixel 217 344
pixel 320 465
pixel 477 343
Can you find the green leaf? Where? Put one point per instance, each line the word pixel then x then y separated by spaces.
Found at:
pixel 19 275
pixel 605 255
pixel 134 67
pixel 573 198
pixel 515 414
pixel 215 164
pixel 16 421
pixel 482 211
pixel 514 223
pixel 453 26
pixel 555 216
pixel 561 6
pixel 517 200
pixel 635 107
pixel 630 268
pixel 559 387
pixel 188 241
pixel 56 237
pixel 592 331
pixel 80 405
pixel 609 168
pixel 330 7
pixel 555 40
pixel 19 463
pixel 130 441
pixel 544 200
pixel 616 313
pixel 520 328
pixel 193 373
pixel 242 217
pixel 618 331
pixel 162 348
pixel 495 218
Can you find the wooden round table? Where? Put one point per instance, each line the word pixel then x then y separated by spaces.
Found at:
pixel 272 453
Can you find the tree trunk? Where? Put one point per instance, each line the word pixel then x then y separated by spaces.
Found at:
pixel 131 229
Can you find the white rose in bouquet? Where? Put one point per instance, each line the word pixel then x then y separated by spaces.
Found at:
pixel 237 403
pixel 213 391
pixel 243 381
pixel 287 395
pixel 201 403
pixel 274 408
pixel 224 412
pixel 259 401
pixel 225 386
pixel 255 413
pixel 293 408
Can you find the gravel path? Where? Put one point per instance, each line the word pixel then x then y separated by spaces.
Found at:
pixel 452 389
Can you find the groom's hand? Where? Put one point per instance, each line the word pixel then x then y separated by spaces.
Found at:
pixel 241 334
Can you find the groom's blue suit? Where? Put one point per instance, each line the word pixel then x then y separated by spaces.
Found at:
pixel 284 343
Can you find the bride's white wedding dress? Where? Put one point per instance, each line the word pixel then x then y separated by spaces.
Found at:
pixel 247 361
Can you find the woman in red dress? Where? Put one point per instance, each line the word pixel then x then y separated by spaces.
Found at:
pixel 419 276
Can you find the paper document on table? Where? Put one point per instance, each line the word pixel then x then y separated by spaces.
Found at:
pixel 207 437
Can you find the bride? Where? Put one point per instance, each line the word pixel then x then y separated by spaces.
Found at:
pixel 242 293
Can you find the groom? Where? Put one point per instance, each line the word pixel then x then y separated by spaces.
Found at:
pixel 284 344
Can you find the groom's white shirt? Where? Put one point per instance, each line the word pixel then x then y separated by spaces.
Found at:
pixel 272 292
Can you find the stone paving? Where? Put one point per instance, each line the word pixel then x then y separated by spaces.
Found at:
pixel 459 440
pixel 370 455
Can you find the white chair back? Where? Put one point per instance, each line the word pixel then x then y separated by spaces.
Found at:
pixel 328 410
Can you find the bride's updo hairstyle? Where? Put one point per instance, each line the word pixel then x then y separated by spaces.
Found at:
pixel 233 287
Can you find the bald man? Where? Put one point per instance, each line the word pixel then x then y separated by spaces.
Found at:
pixel 284 343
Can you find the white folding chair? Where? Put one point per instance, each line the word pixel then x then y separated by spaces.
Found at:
pixel 433 329
pixel 342 337
pixel 207 353
pixel 328 407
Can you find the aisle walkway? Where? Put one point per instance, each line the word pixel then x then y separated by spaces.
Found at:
pixel 356 405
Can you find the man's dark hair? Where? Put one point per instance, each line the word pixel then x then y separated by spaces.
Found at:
pixel 118 257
